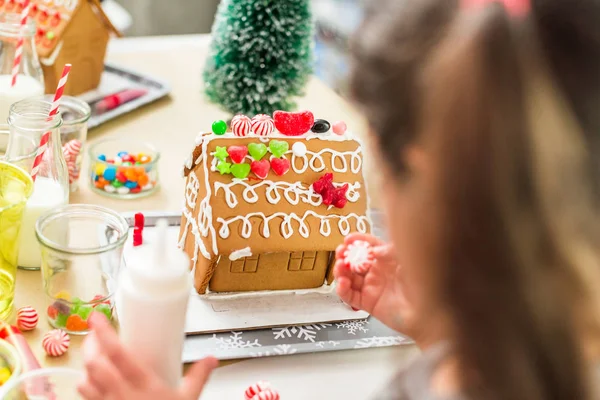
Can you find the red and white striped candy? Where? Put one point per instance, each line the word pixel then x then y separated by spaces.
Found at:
pixel 56 342
pixel 240 125
pixel 359 257
pixel 261 391
pixel 262 125
pixel 71 149
pixel 27 318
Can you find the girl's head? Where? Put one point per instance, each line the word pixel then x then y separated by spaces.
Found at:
pixel 489 125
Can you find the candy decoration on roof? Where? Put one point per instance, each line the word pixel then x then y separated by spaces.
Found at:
pixel 332 196
pixel 237 153
pixel 56 342
pixel 339 128
pixel 27 318
pixel 261 391
pixel 262 125
pixel 240 171
pixel 257 150
pixel 260 168
pixel 278 147
pixel 219 127
pixel 240 125
pixel 358 256
pixel 321 126
pixel 280 166
pixel 293 124
pixel 299 149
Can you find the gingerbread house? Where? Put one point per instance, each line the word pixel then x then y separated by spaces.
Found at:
pixel 267 212
pixel 68 31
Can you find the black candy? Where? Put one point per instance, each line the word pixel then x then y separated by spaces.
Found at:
pixel 321 126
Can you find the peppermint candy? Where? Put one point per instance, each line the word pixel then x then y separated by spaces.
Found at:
pixel 71 151
pixel 27 318
pixel 261 391
pixel 56 342
pixel 262 125
pixel 240 125
pixel 358 256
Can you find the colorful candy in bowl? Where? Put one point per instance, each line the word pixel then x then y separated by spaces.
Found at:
pixel 71 314
pixel 124 169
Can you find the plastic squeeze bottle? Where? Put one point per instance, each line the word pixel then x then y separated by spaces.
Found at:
pixel 152 298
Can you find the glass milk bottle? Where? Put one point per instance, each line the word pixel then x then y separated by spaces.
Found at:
pixel 30 79
pixel 28 121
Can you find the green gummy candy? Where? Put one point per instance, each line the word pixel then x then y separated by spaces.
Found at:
pixel 116 183
pixel 104 309
pixel 257 150
pixel 278 147
pixel 85 311
pixel 221 153
pixel 224 167
pixel 77 303
pixel 219 127
pixel 61 320
pixel 240 171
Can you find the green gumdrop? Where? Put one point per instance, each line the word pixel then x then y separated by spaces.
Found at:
pixel 278 147
pixel 104 309
pixel 85 311
pixel 257 150
pixel 219 127
pixel 61 320
pixel 240 171
pixel 77 303
pixel 116 183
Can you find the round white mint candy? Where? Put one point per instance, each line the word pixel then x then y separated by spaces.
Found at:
pixel 147 186
pixel 123 190
pixel 110 189
pixel 299 149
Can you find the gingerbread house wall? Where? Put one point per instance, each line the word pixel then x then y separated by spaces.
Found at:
pixel 223 193
pixel 84 46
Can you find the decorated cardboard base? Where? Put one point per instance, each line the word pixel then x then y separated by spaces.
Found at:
pixel 254 310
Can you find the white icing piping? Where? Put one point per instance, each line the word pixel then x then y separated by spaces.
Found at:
pixel 286 226
pixel 325 289
pixel 236 255
pixel 293 192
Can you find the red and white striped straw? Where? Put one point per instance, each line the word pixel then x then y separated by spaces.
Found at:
pixel 20 41
pixel 53 111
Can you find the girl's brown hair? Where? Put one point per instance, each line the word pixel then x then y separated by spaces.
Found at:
pixel 512 109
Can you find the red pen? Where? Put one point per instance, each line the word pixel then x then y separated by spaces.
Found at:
pixel 115 100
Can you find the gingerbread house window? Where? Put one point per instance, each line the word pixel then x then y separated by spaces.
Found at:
pixel 302 261
pixel 247 264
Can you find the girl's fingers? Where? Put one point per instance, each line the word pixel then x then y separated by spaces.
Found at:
pixel 109 344
pixel 196 378
pixel 384 252
pixel 344 290
pixel 88 391
pixel 104 377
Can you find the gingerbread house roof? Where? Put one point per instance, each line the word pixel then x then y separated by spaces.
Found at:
pixel 235 217
pixel 53 18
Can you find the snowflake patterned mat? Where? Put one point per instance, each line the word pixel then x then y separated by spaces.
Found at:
pixel 296 339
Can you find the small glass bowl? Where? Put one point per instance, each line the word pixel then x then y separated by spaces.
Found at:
pixel 9 359
pixel 123 169
pixel 44 383
pixel 82 251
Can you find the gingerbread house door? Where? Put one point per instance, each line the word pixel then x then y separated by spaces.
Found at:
pixel 271 271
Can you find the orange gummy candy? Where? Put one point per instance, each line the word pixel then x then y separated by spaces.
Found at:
pixel 143 180
pixel 131 175
pixel 76 324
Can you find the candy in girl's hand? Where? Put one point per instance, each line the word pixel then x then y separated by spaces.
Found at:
pixel 358 256
pixel 27 318
pixel 261 391
pixel 56 342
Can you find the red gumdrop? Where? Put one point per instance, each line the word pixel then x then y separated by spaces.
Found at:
pixel 135 190
pixel 293 124
pixel 139 220
pixel 121 177
pixel 137 237
pixel 323 183
pixel 237 153
pixel 280 165
pixel 331 195
pixel 260 168
pixel 52 312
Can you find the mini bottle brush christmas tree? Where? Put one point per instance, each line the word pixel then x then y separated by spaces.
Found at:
pixel 261 55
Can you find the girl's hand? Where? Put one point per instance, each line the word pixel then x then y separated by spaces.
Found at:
pixel 381 292
pixel 113 373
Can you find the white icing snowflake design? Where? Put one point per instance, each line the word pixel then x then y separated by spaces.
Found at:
pixel 380 342
pixel 359 256
pixel 235 341
pixel 353 326
pixel 329 343
pixel 307 333
pixel 279 350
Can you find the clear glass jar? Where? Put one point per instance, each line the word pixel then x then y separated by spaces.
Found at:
pixel 28 121
pixel 82 251
pixel 30 80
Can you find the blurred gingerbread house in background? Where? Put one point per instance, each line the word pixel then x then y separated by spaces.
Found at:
pixel 69 31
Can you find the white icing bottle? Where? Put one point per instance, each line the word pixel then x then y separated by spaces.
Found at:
pixel 152 299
